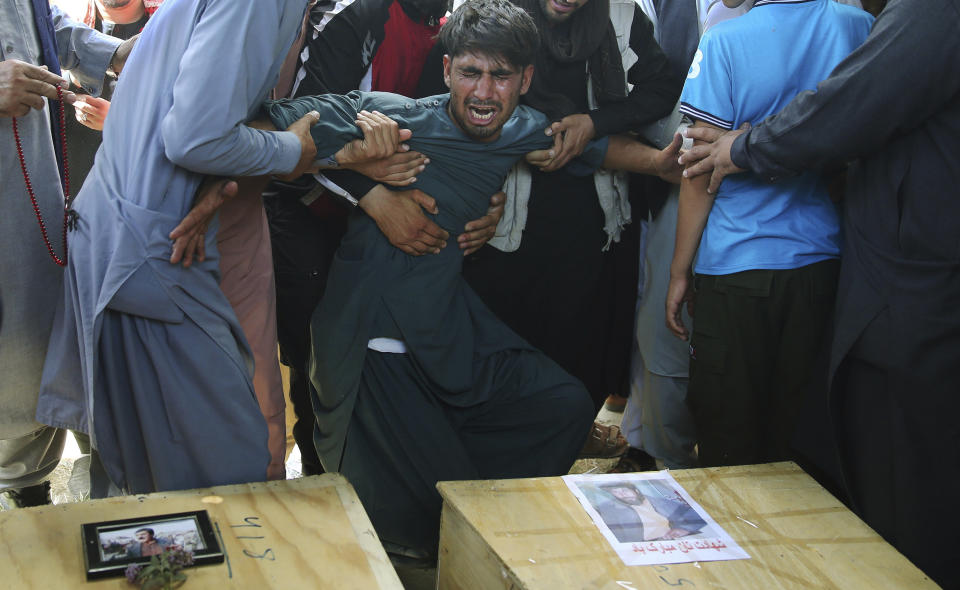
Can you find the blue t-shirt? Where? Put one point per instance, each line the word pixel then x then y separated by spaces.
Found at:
pixel 747 69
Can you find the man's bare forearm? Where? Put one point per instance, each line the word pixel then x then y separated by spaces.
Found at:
pixel 631 155
pixel 626 153
pixel 263 124
pixel 694 209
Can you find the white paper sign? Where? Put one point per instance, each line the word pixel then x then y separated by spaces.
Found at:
pixel 649 519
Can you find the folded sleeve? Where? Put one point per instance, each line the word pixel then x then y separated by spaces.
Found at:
pixel 337 115
pixel 86 52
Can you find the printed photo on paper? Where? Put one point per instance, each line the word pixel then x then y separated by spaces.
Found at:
pixel 649 519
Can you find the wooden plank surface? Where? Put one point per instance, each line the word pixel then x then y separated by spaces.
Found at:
pixel 304 533
pixel 533 534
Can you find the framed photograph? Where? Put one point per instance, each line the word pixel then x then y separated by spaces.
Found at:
pixel 110 547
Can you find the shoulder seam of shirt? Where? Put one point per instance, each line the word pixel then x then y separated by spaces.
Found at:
pixel 695 113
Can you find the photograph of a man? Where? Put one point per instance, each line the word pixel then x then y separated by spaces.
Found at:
pixel 650 519
pixel 146 544
pixel 633 516
pixel 146 538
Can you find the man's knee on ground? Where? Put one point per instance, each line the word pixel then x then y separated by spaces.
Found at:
pixel 571 406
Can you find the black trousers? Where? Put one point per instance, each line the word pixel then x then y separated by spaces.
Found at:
pixel 404 436
pixel 560 291
pixel 900 449
pixel 303 248
pixel 756 336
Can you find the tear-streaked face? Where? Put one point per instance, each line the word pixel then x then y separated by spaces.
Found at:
pixel 484 91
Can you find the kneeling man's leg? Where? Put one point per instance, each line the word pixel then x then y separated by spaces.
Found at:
pixel 405 435
pixel 535 421
pixel 400 443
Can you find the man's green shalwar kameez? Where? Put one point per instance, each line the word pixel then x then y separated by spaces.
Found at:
pixel 469 399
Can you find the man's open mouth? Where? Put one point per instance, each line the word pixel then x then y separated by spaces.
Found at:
pixel 480 115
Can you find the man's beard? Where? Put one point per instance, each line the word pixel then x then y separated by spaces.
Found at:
pixel 115 3
pixel 475 131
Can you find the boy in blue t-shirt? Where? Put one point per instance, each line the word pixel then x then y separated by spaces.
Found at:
pixel 768 253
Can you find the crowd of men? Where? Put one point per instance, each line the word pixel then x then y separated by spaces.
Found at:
pixel 465 230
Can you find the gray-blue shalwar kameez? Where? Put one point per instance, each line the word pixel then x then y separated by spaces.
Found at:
pixel 30 282
pixel 469 399
pixel 146 356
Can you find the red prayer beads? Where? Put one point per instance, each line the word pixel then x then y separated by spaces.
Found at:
pixel 66 184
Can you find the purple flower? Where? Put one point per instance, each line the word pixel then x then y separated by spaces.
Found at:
pixel 132 572
pixel 178 558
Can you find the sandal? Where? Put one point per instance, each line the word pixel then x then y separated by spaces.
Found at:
pixel 604 442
